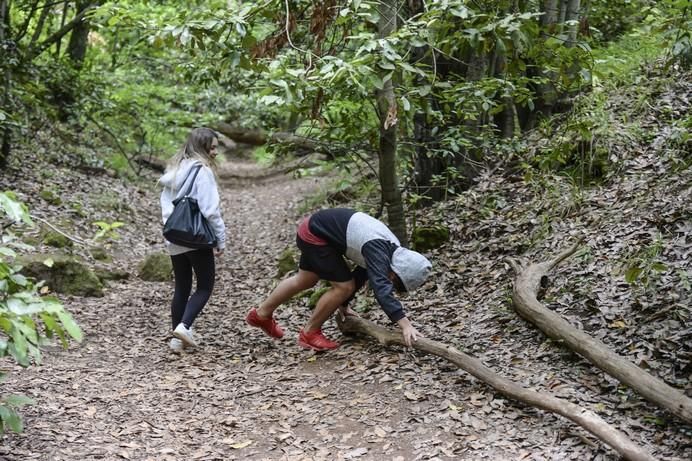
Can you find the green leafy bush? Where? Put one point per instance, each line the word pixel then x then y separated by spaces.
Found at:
pixel 677 28
pixel 610 20
pixel 28 319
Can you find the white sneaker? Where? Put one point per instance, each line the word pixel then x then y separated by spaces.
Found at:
pixel 176 345
pixel 185 335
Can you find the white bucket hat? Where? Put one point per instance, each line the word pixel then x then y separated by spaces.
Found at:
pixel 412 267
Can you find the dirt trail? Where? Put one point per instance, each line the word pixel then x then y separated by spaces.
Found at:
pixel 121 394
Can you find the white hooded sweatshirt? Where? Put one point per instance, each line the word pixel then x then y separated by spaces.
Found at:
pixel 204 190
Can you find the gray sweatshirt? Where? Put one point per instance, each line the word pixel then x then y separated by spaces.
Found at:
pixel 370 244
pixel 204 190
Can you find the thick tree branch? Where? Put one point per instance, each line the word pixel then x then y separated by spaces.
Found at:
pixel 526 286
pixel 581 416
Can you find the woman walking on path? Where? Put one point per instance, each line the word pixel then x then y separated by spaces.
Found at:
pixel 198 153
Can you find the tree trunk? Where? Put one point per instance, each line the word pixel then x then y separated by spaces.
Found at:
pixel 427 166
pixel 387 108
pixel 546 92
pixel 563 14
pixel 467 162
pixel 581 416
pixel 528 280
pixel 39 26
pixel 508 125
pixel 550 11
pixel 79 38
pixel 506 120
pixel 572 15
pixel 58 41
pixel 55 37
pixel 5 146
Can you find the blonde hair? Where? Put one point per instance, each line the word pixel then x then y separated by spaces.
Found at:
pixel 198 147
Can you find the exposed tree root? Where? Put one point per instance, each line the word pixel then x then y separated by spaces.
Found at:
pixel 526 286
pixel 581 416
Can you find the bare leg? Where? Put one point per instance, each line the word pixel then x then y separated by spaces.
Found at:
pixel 286 290
pixel 328 303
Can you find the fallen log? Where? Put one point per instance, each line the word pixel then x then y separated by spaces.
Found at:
pixel 545 401
pixel 153 163
pixel 259 137
pixel 529 277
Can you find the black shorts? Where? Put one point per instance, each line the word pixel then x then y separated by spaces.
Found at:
pixel 325 261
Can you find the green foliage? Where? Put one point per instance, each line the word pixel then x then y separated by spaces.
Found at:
pixel 263 156
pixel 336 90
pixel 16 211
pixel 676 25
pixel 153 70
pixel 619 63
pixel 107 231
pixel 576 146
pixel 9 418
pixel 610 20
pixel 27 319
pixel 580 143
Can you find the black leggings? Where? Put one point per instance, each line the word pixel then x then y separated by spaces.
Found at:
pixel 186 308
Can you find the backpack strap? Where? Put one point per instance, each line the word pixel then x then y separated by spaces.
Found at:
pixel 192 182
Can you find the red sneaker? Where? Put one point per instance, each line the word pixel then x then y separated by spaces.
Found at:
pixel 268 325
pixel 316 341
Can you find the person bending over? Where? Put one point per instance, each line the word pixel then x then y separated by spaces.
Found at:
pixel 324 239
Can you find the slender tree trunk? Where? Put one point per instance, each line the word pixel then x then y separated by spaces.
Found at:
pixel 58 43
pixel 546 92
pixel 5 147
pixel 550 11
pixel 506 119
pixel 25 26
pixel 563 13
pixel 572 14
pixel 467 162
pixel 56 36
pixel 426 165
pixel 39 26
pixel 386 103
